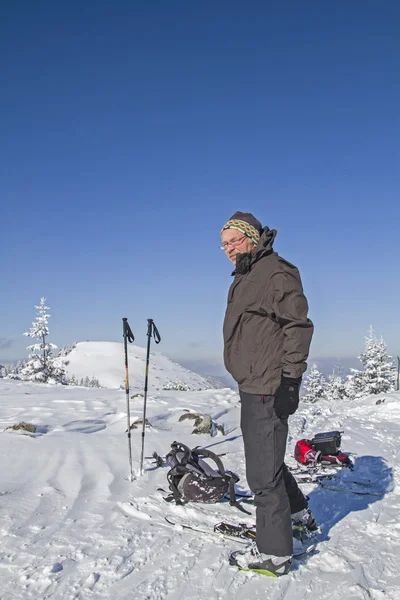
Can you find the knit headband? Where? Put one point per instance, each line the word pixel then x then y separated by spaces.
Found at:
pixel 244 227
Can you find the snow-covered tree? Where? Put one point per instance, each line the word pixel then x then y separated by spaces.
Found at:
pixel 335 387
pixel 41 366
pixel 14 371
pixel 355 384
pixel 72 380
pixel 67 349
pixel 315 385
pixel 379 373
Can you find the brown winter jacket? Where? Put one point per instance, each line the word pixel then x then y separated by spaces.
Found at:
pixel 266 330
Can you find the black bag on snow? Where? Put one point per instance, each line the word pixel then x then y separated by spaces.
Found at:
pixel 327 443
pixel 192 479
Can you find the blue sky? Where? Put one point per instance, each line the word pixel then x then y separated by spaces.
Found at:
pixel 132 130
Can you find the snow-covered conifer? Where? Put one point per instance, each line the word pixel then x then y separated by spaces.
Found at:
pixel 315 385
pixel 379 373
pixel 355 384
pixel 41 366
pixel 14 370
pixel 335 387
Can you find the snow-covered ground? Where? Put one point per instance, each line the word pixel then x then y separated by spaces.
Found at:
pixel 73 526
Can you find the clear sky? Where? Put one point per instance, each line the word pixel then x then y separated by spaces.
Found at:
pixel 132 130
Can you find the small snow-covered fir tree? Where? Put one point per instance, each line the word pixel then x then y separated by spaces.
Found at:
pixel 335 387
pixel 14 371
pixel 67 349
pixel 41 366
pixel 72 380
pixel 5 370
pixel 94 383
pixel 315 385
pixel 379 373
pixel 355 384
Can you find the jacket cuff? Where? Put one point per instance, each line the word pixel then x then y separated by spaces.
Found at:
pixel 292 380
pixel 293 371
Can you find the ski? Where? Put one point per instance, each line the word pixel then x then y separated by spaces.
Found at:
pixel 242 533
pixel 337 488
pixel 322 479
pixel 247 532
pixel 313 478
pixel 204 530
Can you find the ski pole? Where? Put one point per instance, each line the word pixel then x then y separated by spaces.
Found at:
pixel 128 337
pixel 151 330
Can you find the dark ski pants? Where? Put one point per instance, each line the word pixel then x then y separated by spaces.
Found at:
pixel 276 493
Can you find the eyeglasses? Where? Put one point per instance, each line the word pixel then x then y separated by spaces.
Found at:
pixel 235 242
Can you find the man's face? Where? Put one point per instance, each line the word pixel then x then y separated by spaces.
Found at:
pixel 234 243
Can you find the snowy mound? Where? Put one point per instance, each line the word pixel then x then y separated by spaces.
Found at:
pixel 105 361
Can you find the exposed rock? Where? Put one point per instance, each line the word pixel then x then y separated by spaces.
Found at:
pixel 29 427
pixel 135 424
pixel 202 423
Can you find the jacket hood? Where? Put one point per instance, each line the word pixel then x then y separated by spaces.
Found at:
pixel 245 261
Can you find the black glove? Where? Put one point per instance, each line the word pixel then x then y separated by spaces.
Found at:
pixel 287 397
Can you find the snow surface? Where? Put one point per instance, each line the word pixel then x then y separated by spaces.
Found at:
pixel 105 362
pixel 74 527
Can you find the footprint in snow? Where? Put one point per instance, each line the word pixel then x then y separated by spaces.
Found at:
pixel 90 581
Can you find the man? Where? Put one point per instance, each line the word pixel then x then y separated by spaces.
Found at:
pixel 267 336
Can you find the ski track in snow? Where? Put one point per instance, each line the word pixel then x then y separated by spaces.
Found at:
pixel 73 526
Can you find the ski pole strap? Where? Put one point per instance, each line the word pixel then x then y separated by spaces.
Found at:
pixel 127 331
pixel 153 331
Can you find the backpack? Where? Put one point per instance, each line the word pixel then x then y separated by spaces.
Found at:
pixel 324 448
pixel 192 479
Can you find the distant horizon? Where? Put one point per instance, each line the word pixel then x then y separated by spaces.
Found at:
pixel 7 354
pixel 215 368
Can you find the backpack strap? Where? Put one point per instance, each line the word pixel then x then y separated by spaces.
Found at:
pixel 208 454
pixel 232 496
pixel 179 470
pixel 178 447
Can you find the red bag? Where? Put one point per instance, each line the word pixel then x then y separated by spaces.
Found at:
pixel 304 453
